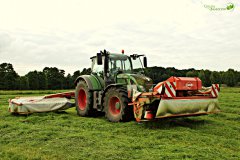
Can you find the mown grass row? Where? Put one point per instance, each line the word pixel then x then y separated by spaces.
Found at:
pixel 67 136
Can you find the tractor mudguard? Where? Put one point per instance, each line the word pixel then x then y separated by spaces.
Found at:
pixel 93 83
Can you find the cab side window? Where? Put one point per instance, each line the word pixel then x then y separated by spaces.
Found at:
pixel 97 69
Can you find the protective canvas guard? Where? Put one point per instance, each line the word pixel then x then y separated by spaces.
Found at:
pixel 27 105
pixel 169 107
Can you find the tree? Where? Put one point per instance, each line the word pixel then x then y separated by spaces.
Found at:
pixel 164 77
pixel 229 78
pixel 215 78
pixel 238 78
pixel 75 75
pixel 207 77
pixel 23 83
pixel 33 80
pixel 8 77
pixel 68 84
pixel 202 76
pixel 42 78
pixel 86 71
pixel 191 74
pixel 55 77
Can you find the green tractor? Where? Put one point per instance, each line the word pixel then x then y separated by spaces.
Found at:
pixel 118 87
pixel 108 88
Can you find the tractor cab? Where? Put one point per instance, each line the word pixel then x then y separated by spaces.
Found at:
pixel 107 66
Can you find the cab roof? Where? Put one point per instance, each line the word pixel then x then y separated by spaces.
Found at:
pixel 115 56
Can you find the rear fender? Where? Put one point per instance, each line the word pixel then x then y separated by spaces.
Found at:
pixel 92 82
pixel 94 85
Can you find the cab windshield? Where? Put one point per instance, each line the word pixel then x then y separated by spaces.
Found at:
pixel 120 65
pixel 125 64
pixel 137 65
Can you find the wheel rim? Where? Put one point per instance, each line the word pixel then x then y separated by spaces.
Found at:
pixel 114 106
pixel 82 99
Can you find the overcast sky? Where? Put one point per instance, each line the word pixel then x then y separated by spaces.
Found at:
pixel 66 33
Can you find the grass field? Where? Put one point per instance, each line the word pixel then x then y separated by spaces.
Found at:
pixel 67 136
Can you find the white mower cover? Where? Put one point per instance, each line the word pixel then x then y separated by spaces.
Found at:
pixel 171 107
pixel 27 105
pixel 204 102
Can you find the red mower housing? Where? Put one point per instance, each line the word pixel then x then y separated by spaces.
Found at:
pixel 186 83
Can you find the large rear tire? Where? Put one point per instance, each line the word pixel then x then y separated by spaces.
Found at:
pixel 84 100
pixel 116 105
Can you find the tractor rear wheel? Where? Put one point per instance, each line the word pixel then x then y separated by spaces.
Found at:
pixel 83 99
pixel 116 105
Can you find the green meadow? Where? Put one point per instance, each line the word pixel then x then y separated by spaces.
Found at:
pixel 65 135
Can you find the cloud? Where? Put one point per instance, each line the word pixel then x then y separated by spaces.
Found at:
pixel 172 34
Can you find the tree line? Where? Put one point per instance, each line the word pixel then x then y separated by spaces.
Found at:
pixel 54 78
pixel 49 78
pixel 230 77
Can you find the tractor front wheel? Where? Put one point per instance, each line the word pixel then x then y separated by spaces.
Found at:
pixel 116 105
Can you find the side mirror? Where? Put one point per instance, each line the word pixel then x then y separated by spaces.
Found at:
pixel 145 62
pixel 99 58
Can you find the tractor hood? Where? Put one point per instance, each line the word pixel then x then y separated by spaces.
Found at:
pixel 143 82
